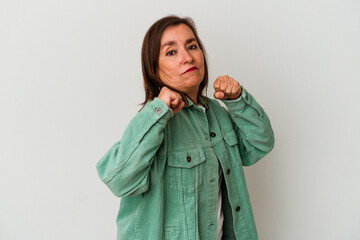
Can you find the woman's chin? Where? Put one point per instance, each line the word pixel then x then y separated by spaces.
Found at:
pixel 193 81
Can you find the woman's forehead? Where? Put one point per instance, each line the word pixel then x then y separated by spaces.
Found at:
pixel 178 33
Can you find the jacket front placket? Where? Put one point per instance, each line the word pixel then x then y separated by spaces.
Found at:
pixel 209 195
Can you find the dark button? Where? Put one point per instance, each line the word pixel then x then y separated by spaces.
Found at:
pixel 228 171
pixel 212 134
pixel 238 208
pixel 188 158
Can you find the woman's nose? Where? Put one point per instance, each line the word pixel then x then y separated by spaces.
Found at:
pixel 185 57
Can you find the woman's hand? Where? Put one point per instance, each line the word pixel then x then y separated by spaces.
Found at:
pixel 226 88
pixel 172 99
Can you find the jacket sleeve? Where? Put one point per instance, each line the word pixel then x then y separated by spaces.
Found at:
pixel 125 167
pixel 252 126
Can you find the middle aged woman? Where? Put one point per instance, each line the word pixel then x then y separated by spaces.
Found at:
pixel 178 167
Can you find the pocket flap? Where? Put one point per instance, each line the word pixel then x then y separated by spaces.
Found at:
pixel 186 158
pixel 231 138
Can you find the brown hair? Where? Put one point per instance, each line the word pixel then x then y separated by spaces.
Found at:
pixel 150 56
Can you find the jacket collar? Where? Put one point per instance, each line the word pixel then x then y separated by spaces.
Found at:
pixel 201 101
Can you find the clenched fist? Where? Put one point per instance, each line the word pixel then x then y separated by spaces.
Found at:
pixel 171 99
pixel 226 88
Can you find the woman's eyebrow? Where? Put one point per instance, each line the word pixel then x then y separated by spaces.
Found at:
pixel 191 40
pixel 171 43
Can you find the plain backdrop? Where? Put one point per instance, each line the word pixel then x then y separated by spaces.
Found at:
pixel 70 81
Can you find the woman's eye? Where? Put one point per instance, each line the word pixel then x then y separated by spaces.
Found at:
pixel 170 53
pixel 192 47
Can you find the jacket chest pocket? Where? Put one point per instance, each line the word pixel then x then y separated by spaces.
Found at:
pixel 185 169
pixel 231 141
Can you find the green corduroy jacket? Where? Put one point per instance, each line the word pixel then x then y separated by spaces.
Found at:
pixel 165 169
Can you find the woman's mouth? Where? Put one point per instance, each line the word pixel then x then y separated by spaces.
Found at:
pixel 190 69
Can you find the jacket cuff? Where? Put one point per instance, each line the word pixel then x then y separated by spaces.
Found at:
pixel 240 102
pixel 158 110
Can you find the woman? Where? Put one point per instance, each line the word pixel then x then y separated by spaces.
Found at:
pixel 178 167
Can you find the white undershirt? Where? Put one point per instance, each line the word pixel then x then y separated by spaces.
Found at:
pixel 220 215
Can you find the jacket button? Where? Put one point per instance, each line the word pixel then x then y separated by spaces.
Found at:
pixel 238 208
pixel 212 134
pixel 228 171
pixel 188 158
pixel 158 110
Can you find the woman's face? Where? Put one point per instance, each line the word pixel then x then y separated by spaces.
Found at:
pixel 181 61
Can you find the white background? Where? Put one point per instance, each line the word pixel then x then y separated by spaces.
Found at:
pixel 71 81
